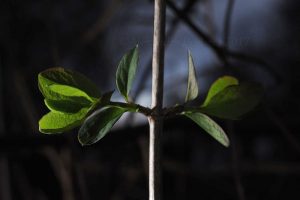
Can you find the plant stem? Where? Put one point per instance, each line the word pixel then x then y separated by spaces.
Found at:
pixel 132 106
pixel 155 120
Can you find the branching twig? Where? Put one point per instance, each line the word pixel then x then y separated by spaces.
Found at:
pixel 222 53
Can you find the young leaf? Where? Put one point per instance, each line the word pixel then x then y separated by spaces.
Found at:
pixel 234 101
pixel 126 72
pixel 56 122
pixel 192 89
pixel 69 91
pixel 61 76
pixel 63 106
pixel 98 124
pixel 219 85
pixel 210 126
pixel 63 98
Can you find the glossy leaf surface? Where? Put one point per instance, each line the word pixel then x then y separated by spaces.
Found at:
pixel 126 72
pixel 99 124
pixel 56 122
pixel 219 85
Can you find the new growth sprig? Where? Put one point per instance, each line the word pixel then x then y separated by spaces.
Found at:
pixel 73 100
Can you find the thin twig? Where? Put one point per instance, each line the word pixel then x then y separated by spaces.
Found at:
pixel 222 53
pixel 227 22
pixel 155 120
pixel 235 163
pixel 219 52
pixel 230 125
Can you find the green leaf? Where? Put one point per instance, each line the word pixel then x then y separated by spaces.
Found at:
pixel 210 126
pixel 219 85
pixel 69 91
pixel 56 122
pixel 234 101
pixel 61 76
pixel 192 89
pixel 98 124
pixel 63 106
pixel 126 72
pixel 67 99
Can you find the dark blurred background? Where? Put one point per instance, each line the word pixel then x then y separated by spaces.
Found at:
pixel 257 40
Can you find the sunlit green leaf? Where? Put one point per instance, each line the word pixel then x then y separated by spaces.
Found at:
pixel 192 89
pixel 67 99
pixel 61 76
pixel 69 91
pixel 98 124
pixel 219 85
pixel 63 106
pixel 56 122
pixel 210 126
pixel 126 72
pixel 234 101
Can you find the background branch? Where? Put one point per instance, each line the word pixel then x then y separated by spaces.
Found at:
pixel 222 53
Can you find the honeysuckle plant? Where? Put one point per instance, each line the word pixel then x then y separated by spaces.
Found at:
pixel 73 100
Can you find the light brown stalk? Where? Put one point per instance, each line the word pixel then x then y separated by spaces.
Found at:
pixel 155 119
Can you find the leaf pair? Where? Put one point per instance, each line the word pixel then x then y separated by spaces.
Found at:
pixel 69 97
pixel 226 99
pixel 101 121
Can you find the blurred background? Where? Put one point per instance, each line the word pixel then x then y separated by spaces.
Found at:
pixel 256 40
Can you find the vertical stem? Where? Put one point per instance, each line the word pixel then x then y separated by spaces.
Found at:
pixel 154 159
pixel 155 120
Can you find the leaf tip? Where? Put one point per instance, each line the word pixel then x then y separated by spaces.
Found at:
pixel 226 142
pixel 81 142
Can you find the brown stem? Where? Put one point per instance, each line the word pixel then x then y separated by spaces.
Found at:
pixel 155 120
